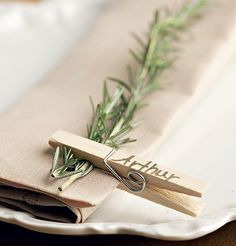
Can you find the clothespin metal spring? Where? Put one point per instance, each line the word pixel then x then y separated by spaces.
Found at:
pixel 137 182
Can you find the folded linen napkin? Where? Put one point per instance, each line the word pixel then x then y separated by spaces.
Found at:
pixel 61 102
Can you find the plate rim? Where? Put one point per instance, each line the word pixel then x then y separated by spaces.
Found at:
pixel 179 230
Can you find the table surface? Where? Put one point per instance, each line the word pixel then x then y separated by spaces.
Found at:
pixel 14 235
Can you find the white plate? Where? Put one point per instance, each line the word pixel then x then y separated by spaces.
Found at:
pixel 34 38
pixel 203 146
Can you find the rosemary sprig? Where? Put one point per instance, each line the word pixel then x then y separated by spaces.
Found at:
pixel 113 117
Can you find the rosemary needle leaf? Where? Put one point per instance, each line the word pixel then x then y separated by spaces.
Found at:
pixel 136 56
pixel 106 94
pixel 120 82
pixel 92 104
pixel 55 159
pixel 139 40
pixel 130 74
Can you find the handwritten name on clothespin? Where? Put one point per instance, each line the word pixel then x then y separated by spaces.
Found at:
pixel 159 184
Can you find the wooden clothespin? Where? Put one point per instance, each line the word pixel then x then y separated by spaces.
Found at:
pixel 144 178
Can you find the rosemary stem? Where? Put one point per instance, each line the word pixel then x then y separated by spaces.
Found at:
pixel 69 181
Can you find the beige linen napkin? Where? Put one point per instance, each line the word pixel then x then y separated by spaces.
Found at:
pixel 61 102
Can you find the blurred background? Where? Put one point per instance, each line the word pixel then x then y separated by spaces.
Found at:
pixel 35 35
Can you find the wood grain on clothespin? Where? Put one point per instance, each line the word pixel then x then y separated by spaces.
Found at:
pixel 165 186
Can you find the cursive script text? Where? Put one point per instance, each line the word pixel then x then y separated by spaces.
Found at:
pixel 148 167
